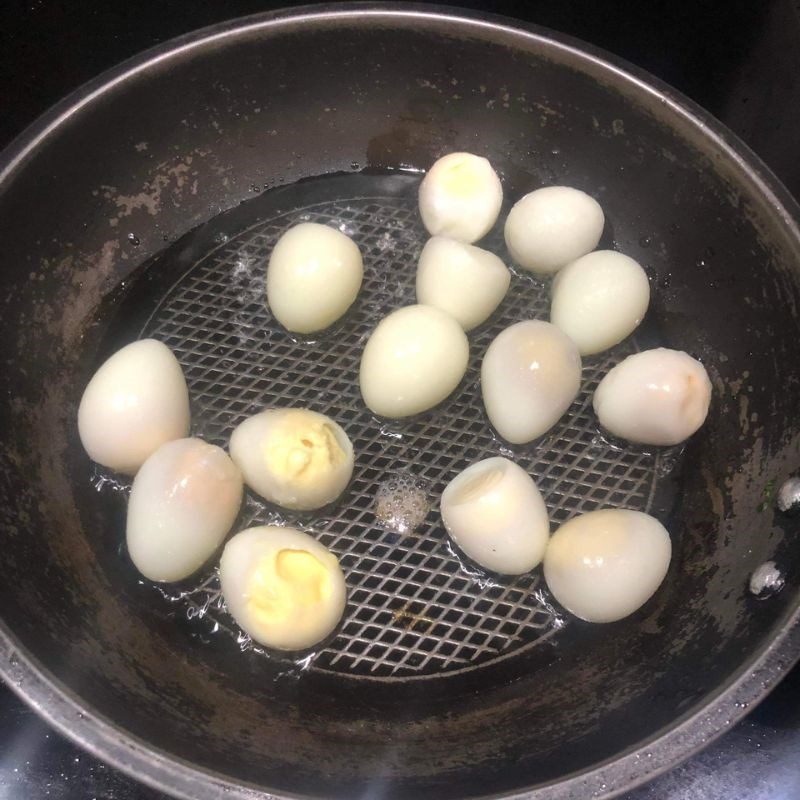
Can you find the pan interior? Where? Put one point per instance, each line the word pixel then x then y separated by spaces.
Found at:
pixel 186 135
pixel 416 605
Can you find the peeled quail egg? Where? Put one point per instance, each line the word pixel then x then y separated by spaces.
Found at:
pixel 282 587
pixel 604 565
pixel 550 227
pixel 495 514
pixel 460 197
pixel 530 375
pixel 599 299
pixel 414 358
pixel 313 277
pixel 184 500
pixel 134 403
pixel 658 397
pixel 293 457
pixel 461 279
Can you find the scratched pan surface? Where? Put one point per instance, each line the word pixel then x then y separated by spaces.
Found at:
pixel 120 217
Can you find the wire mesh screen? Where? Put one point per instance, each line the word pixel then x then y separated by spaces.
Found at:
pixel 415 605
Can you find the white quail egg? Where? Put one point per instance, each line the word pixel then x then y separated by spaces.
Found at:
pixel 496 515
pixel 530 375
pixel 313 277
pixel 657 397
pixel 183 502
pixel 599 299
pixel 413 360
pixel 604 565
pixel 461 279
pixel 460 197
pixel 134 403
pixel 550 227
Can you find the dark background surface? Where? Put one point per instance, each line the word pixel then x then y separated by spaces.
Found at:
pixel 739 59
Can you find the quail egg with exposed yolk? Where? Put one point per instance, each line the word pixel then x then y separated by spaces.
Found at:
pixel 283 588
pixel 293 457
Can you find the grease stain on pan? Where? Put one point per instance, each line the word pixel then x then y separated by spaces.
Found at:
pixel 169 177
pixel 82 283
pixel 69 289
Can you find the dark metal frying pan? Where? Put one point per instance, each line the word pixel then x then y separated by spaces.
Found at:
pixel 442 682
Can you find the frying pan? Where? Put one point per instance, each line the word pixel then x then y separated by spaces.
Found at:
pixel 122 214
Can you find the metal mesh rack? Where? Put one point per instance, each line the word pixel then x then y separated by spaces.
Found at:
pixel 415 606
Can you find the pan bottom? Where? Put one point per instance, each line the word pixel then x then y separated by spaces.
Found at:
pixel 416 606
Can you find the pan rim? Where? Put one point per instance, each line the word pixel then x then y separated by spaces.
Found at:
pixel 692 731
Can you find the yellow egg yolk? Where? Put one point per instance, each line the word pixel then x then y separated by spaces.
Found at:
pixel 462 180
pixel 287 584
pixel 303 450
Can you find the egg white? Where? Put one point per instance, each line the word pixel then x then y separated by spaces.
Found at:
pixel 135 402
pixel 530 375
pixel 314 276
pixel 552 226
pixel 460 279
pixel 599 299
pixel 413 360
pixel 604 565
pixel 183 502
pixel 657 397
pixel 460 197
pixel 494 512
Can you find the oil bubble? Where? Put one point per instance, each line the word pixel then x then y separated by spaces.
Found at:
pixel 402 503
